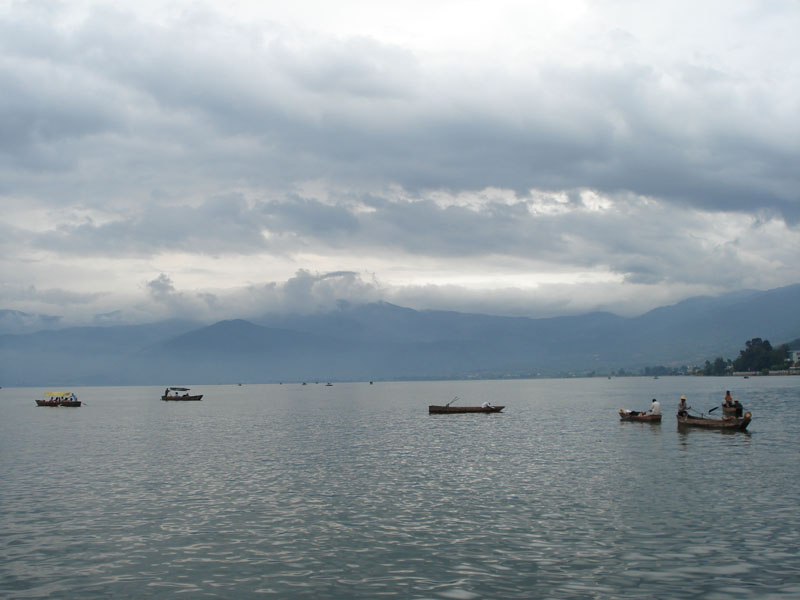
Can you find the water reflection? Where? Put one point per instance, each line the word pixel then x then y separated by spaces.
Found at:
pixel 732 438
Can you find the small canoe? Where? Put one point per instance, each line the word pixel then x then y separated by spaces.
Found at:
pixel 641 417
pixel 435 409
pixel 728 423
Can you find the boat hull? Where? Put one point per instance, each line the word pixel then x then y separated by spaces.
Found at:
pixel 434 409
pixel 182 398
pixel 729 424
pixel 67 403
pixel 640 418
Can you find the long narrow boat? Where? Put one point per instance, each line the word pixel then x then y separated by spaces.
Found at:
pixel 626 415
pixel 178 397
pixel 67 399
pixel 435 409
pixel 728 423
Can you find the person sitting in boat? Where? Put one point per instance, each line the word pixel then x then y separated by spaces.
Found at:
pixel 683 408
pixel 655 407
pixel 486 404
pixel 739 409
pixel 631 413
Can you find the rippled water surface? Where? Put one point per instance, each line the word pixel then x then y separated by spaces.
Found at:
pixel 354 491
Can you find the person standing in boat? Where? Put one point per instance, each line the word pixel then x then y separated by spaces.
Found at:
pixel 683 409
pixel 655 407
pixel 728 399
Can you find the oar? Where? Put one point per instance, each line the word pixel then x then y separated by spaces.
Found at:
pixel 453 400
pixel 703 415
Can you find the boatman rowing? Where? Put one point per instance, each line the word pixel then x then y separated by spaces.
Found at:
pixel 683 408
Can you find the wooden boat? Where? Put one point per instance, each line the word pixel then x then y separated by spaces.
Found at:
pixel 67 399
pixel 178 397
pixel 435 409
pixel 727 423
pixel 184 398
pixel 48 403
pixel 643 417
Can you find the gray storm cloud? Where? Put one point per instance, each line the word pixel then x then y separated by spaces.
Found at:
pixel 200 95
pixel 181 142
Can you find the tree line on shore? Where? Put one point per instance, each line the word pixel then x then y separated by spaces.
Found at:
pixel 758 356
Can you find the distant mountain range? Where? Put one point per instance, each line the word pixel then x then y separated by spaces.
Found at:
pixel 383 341
pixel 15 321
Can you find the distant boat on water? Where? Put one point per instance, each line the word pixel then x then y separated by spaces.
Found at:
pixel 173 393
pixel 434 409
pixel 67 399
pixel 444 409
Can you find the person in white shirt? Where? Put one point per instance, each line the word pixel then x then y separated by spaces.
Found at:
pixel 655 407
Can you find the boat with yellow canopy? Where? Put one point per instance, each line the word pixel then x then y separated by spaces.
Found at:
pixel 67 399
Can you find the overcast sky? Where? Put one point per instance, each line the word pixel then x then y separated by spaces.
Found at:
pixel 510 157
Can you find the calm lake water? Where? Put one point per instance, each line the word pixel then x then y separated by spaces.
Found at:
pixel 354 491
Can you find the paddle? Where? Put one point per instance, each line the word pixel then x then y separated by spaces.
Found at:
pixel 451 401
pixel 703 415
pixel 696 415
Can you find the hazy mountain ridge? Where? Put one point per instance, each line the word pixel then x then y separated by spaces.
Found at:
pixel 16 321
pixel 384 341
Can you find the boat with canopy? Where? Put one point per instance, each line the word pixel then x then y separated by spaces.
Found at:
pixel 67 399
pixel 174 393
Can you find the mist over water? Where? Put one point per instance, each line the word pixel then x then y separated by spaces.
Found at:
pixel 354 491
